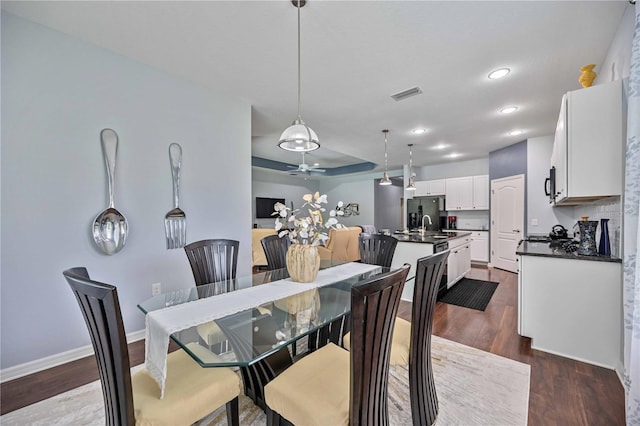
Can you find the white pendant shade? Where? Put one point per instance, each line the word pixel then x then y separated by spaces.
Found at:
pixel 299 137
pixel 385 179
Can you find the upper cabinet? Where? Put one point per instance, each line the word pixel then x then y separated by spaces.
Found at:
pixel 588 146
pixel 459 193
pixel 430 187
pixel 468 193
pixel 481 192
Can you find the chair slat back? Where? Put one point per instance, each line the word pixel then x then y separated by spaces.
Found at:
pixel 374 305
pixel 275 249
pixel 377 249
pixel 101 310
pixel 424 399
pixel 213 260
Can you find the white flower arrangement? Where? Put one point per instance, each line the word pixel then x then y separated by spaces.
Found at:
pixel 309 229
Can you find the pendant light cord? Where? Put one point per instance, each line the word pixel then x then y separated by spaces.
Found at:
pixel 385 149
pixel 410 160
pixel 299 118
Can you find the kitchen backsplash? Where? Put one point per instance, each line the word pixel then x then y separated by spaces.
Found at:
pixel 471 219
pixel 608 209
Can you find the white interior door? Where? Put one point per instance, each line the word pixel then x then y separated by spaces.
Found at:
pixel 507 221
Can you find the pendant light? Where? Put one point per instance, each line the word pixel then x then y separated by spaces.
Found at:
pixel 385 177
pixel 411 186
pixel 299 137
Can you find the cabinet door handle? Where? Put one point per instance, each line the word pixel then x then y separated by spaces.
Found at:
pixel 516 231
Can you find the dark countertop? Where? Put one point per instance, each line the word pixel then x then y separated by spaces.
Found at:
pixel 528 248
pixel 466 229
pixel 430 237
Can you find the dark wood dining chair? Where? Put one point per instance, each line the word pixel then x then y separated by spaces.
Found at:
pixel 377 249
pixel 213 260
pixel 191 392
pixel 334 387
pixel 275 249
pixel 412 340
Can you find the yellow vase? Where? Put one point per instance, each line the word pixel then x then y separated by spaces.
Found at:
pixel 587 76
pixel 303 263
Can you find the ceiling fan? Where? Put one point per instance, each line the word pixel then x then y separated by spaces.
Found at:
pixel 304 168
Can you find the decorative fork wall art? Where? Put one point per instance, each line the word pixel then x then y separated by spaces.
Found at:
pixel 175 221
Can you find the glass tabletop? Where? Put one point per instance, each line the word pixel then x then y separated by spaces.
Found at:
pixel 245 337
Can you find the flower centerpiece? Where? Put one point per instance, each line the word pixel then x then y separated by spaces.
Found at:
pixel 306 229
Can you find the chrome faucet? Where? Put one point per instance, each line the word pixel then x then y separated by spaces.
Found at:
pixel 430 223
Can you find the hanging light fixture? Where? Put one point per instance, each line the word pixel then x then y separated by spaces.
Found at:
pixel 411 186
pixel 385 177
pixel 299 137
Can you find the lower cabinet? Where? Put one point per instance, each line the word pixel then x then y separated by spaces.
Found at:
pixel 480 246
pixel 459 260
pixel 572 308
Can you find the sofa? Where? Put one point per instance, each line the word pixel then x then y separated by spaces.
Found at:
pixel 342 245
pixel 258 258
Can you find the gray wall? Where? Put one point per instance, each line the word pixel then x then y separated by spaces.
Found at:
pixel 508 161
pixel 538 206
pixel 351 189
pixel 388 207
pixel 273 184
pixel 57 94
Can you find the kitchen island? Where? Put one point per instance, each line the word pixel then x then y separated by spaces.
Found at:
pixel 416 245
pixel 570 304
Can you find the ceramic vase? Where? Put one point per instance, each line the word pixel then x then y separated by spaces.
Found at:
pixel 587 245
pixel 605 245
pixel 303 262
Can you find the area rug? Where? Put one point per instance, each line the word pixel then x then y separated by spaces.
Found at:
pixel 470 293
pixel 474 388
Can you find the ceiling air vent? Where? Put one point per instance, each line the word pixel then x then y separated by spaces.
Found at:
pixel 407 93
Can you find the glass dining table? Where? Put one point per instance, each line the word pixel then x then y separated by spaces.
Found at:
pixel 264 339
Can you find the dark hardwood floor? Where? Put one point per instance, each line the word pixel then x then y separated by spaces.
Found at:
pixel 563 391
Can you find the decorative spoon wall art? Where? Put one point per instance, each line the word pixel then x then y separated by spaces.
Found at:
pixel 110 228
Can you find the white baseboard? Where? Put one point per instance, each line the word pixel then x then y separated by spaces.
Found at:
pixel 31 367
pixel 576 358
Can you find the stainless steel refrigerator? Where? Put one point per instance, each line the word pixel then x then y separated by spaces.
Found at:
pixel 418 207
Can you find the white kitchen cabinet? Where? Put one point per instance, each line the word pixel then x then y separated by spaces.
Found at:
pixel 481 192
pixel 459 193
pixel 480 246
pixel 588 146
pixel 430 187
pixel 467 193
pixel 572 308
pixel 459 260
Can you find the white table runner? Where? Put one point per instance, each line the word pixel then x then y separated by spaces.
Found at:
pixel 160 324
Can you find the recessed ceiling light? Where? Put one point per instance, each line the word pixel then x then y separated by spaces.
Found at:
pixel 499 73
pixel 453 155
pixel 509 109
pixel 419 131
pixel 440 146
pixel 515 132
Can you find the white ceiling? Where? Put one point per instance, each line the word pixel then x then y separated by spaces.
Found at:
pixel 355 54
